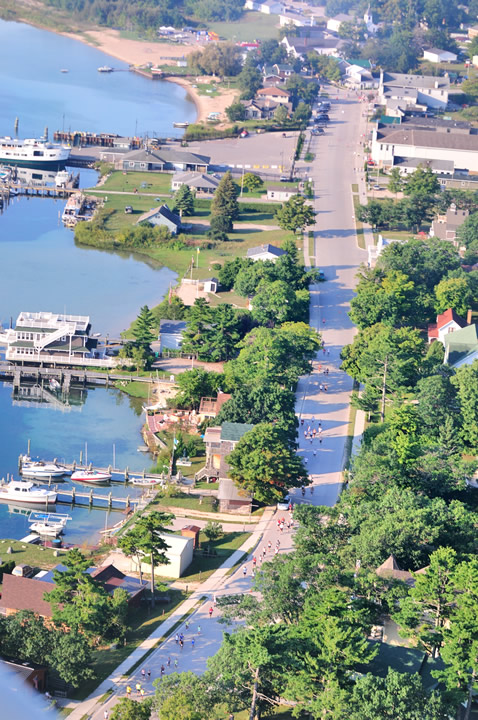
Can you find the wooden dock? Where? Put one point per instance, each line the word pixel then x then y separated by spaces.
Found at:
pixel 68 376
pixel 92 498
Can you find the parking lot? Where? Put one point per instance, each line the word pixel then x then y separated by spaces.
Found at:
pixel 267 153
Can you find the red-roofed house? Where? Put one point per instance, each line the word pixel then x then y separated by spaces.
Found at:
pixel 446 323
pixel 23 593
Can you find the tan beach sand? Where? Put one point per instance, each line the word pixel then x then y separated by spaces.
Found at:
pixel 136 52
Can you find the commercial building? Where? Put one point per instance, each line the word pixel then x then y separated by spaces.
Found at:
pixel 162 159
pixel 412 90
pixel 434 55
pixel 53 337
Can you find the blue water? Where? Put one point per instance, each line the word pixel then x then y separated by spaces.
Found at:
pixel 33 89
pixel 41 268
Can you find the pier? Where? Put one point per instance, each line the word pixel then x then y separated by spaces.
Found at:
pixel 91 498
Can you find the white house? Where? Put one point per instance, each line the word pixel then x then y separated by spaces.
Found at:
pixel 268 7
pixel 274 94
pixel 333 24
pixel 358 77
pixel 447 322
pixel 278 192
pixel 171 334
pixel 461 347
pixel 265 252
pixel 434 55
pixel 374 251
pixel 179 554
pixel 201 183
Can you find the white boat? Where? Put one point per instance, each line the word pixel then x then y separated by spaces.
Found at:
pixel 146 482
pixel 27 492
pixel 40 469
pixel 91 476
pixel 62 178
pixel 32 152
pixel 64 70
pixel 46 528
pixel 180 124
pixel 105 69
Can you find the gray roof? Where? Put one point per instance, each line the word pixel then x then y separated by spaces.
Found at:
pixel 229 491
pixel 415 81
pixel 194 179
pixel 437 51
pixel 272 249
pixel 341 17
pixel 172 326
pixel 169 215
pixel 435 165
pixel 437 123
pixel 233 432
pixel 429 139
pixel 461 344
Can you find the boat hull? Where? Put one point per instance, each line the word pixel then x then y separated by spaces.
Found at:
pixel 36 165
pixel 93 478
pixel 43 500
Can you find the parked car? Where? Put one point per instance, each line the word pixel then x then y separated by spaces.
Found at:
pixel 128 210
pixel 321 275
pixel 377 187
pixel 284 503
pixel 244 134
pixel 284 178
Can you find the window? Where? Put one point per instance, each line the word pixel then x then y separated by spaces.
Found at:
pixel 131 164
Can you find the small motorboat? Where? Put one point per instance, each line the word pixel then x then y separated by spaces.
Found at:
pixel 105 69
pixel 91 476
pixel 46 528
pixel 27 492
pixel 180 124
pixel 64 70
pixel 146 482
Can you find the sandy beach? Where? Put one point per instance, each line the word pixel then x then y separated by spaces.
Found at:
pixel 137 52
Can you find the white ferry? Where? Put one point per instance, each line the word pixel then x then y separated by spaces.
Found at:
pixel 32 152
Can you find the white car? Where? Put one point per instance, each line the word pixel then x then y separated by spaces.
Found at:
pixel 284 503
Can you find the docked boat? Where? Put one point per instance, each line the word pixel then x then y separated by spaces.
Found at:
pixel 32 152
pixel 146 482
pixel 180 124
pixel 91 476
pixel 39 469
pixel 27 492
pixel 105 69
pixel 48 524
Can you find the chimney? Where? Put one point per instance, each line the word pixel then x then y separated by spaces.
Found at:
pixel 468 317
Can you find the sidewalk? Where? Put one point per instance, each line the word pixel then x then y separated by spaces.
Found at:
pixel 209 587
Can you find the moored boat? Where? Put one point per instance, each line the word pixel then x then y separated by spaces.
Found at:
pixel 146 482
pixel 35 153
pixel 105 69
pixel 91 476
pixel 40 469
pixel 180 124
pixel 27 492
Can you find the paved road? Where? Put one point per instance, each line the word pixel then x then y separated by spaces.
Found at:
pixel 337 254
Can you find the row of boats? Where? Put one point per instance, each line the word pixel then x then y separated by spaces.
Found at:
pixel 41 470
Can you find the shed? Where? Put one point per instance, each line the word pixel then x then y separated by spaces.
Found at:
pixel 231 499
pixel 31 673
pixel 210 285
pixel 179 554
pixel 277 191
pixel 191 531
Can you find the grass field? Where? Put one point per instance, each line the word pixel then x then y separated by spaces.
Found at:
pixel 143 182
pixel 203 566
pixel 252 26
pixel 25 553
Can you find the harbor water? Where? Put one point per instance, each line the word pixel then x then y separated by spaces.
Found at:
pixel 43 269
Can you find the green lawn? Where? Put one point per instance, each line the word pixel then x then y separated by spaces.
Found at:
pixel 252 26
pixel 142 623
pixel 209 89
pixel 358 224
pixel 189 502
pixel 127 182
pixel 25 553
pixel 136 389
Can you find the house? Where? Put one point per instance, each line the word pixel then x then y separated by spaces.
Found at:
pixel 179 553
pixel 359 77
pixel 434 55
pixel 24 593
pixel 461 347
pixel 283 70
pixel 220 442
pixel 262 108
pixel 289 17
pixel 161 216
pixel 265 252
pixel 277 191
pixel 299 47
pixel 473 32
pixel 161 159
pixel 112 578
pixel 428 90
pixel 171 334
pixel 390 569
pixel 447 322
pixel 445 227
pixel 53 337
pixel 274 94
pixel 333 24
pixel 201 183
pixel 374 251
pixel 267 7
pixel 211 407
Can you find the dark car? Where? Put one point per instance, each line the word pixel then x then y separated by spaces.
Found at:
pixel 323 116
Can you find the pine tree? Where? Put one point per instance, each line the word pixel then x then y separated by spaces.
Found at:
pixel 184 201
pixel 225 198
pixel 143 328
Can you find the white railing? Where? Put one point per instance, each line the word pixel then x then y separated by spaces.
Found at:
pixel 51 337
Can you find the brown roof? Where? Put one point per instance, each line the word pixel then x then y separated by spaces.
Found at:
pixel 424 138
pixel 391 569
pixel 22 593
pixel 211 405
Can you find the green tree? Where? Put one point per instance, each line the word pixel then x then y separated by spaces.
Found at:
pixel 219 226
pixel 264 464
pixel 146 536
pixel 223 59
pixel 171 308
pixel 224 334
pixel 396 182
pixel 195 384
pixel 295 214
pixel 275 303
pixel 302 114
pixel 143 327
pixel 71 657
pixel 236 111
pixel 453 293
pixel 184 201
pixel 228 273
pixel 182 696
pixel 281 115
pixel 252 182
pixel 422 182
pixel 127 709
pixel 249 81
pixel 398 696
pixel 213 531
pixel 466 382
pixel 224 201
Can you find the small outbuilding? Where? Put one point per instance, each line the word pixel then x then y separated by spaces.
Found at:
pixel 277 191
pixel 191 531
